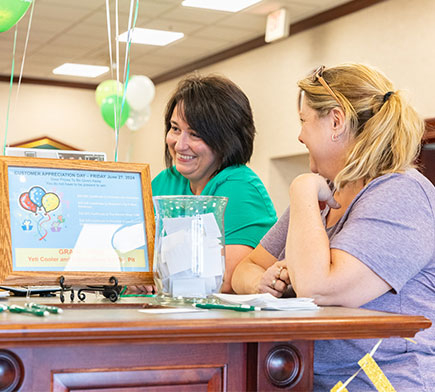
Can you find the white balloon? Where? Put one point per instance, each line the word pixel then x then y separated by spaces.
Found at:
pixel 137 119
pixel 140 92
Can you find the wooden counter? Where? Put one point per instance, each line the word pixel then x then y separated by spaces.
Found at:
pixel 114 347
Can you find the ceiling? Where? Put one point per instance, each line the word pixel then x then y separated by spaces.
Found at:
pixel 76 31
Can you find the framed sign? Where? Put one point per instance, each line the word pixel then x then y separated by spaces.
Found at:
pixel 84 220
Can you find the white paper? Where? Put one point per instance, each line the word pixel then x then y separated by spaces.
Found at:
pixel 185 287
pixel 93 249
pixel 173 225
pixel 129 238
pixel 172 310
pixel 268 301
pixel 177 252
pixel 211 227
pixel 212 261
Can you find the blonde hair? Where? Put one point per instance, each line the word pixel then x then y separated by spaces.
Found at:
pixel 385 129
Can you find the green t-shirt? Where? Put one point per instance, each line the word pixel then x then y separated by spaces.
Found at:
pixel 249 213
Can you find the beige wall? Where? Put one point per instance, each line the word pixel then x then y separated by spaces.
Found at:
pixel 395 35
pixel 69 115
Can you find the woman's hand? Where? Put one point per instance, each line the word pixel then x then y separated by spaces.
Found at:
pixel 275 280
pixel 318 184
pixel 147 289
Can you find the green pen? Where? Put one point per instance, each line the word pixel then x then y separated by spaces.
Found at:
pixel 3 308
pixel 50 309
pixel 238 308
pixel 137 295
pixel 22 309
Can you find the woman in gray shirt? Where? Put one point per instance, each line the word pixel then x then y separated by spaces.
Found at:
pixel 360 230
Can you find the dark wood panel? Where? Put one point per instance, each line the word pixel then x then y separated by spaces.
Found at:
pixel 162 380
pixel 130 326
pixel 426 159
pixel 123 349
pixel 283 365
pixel 208 367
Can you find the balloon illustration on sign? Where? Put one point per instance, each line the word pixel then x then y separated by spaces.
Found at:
pixel 50 201
pixel 26 203
pixel 41 203
pixel 35 194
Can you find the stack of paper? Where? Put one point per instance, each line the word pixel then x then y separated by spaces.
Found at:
pixel 268 301
pixel 192 256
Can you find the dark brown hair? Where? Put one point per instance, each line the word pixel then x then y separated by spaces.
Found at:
pixel 220 114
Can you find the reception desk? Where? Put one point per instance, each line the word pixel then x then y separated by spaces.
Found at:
pixel 100 346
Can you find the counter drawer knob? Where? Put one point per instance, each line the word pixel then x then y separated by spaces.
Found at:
pixel 283 366
pixel 11 371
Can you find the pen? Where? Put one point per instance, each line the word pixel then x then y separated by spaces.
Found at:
pixel 50 309
pixel 22 309
pixel 138 295
pixel 238 308
pixel 3 308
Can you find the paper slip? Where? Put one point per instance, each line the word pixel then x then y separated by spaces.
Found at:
pixel 267 301
pixel 129 238
pixel 211 227
pixel 172 310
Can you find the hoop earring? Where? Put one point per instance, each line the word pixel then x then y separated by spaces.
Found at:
pixel 335 137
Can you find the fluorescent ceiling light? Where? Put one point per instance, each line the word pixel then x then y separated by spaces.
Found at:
pixel 220 5
pixel 88 71
pixel 151 36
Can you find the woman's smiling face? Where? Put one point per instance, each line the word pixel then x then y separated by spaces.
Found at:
pixel 192 157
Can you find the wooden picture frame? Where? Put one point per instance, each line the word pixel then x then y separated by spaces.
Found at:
pixel 95 211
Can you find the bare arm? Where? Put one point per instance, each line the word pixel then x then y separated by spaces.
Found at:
pixel 330 276
pixel 233 256
pixel 256 273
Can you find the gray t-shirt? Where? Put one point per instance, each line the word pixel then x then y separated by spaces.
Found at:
pixel 390 227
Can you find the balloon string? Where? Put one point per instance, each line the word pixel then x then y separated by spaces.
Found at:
pixel 127 54
pixel 10 90
pixel 39 226
pixel 46 232
pixel 109 33
pixel 116 106
pixel 126 71
pixel 127 47
pixel 24 53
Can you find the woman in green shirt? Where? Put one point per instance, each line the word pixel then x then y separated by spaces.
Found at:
pixel 209 136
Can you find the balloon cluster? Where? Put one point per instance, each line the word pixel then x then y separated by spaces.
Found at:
pixel 38 198
pixel 11 11
pixel 136 110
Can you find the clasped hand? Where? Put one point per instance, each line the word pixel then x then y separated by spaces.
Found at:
pixel 275 280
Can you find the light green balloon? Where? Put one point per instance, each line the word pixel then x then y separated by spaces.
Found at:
pixel 106 89
pixel 108 108
pixel 11 11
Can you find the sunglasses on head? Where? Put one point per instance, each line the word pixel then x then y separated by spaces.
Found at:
pixel 318 75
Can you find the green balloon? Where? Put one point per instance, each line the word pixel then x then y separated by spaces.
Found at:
pixel 108 110
pixel 11 11
pixel 106 89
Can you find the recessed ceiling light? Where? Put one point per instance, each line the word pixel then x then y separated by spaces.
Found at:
pixel 220 5
pixel 151 36
pixel 88 71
